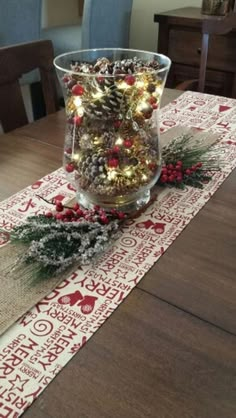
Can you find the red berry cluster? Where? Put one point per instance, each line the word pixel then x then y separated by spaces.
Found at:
pixel 172 172
pixel 175 173
pixel 78 214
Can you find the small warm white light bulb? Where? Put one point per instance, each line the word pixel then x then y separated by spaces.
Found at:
pixel 80 111
pixel 140 84
pixel 112 175
pixel 76 157
pixel 142 106
pixel 128 172
pixel 97 95
pixel 119 141
pixel 77 101
pixel 123 85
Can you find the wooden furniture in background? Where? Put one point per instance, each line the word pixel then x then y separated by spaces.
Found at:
pixel 217 26
pixel 15 61
pixel 180 37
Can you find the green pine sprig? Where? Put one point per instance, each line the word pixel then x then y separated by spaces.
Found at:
pixel 188 162
pixel 53 246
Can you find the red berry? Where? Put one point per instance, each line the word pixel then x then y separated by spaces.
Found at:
pixel 121 215
pixel 155 106
pixel 170 166
pixel 48 214
pixel 116 149
pixel 178 167
pixel 130 80
pixel 199 165
pixel 164 178
pixel 188 172
pixel 76 206
pixel 104 219
pixel 58 202
pixel 171 178
pixel 164 170
pixel 69 213
pixel 113 163
pixel 66 220
pixel 180 163
pixel 79 212
pixel 59 208
pixel 69 168
pixel 77 90
pixel 128 143
pixel 113 212
pixel 179 178
pixel 59 216
pixel 77 120
pixel 194 168
pixel 66 79
pixel 174 172
pixel 152 100
pixel 117 124
pixel 68 150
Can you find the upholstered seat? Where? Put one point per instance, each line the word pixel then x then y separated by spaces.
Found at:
pixel 104 24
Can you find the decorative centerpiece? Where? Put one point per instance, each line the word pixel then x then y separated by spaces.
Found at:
pixel 112 152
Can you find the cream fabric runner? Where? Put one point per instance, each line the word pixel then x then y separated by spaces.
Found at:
pixel 21 289
pixel 48 335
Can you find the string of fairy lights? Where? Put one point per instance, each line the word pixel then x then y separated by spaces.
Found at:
pixel 112 143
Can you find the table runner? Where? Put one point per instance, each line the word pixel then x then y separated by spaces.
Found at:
pixel 35 349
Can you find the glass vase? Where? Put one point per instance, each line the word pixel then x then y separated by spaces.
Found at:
pixel 112 152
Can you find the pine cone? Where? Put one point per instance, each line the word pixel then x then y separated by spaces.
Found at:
pixel 109 103
pixel 92 166
pixel 139 119
pixel 126 129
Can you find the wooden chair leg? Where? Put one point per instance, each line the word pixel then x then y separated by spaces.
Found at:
pixel 203 63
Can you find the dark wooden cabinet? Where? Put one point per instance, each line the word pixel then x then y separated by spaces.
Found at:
pixel 180 38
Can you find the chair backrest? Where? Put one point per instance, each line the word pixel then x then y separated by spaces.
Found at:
pixel 15 61
pixel 213 26
pixel 106 23
pixel 20 21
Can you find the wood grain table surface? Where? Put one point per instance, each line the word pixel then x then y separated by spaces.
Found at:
pixel 169 350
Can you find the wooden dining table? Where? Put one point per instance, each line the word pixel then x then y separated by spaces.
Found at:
pixel 169 350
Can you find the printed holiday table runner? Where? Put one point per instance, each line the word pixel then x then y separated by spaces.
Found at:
pixel 45 338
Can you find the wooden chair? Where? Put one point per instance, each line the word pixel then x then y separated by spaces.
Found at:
pixel 15 61
pixel 210 26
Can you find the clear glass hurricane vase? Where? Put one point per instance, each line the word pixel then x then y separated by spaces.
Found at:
pixel 112 152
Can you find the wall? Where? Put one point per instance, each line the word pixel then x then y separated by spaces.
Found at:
pixel 60 12
pixel 143 31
